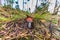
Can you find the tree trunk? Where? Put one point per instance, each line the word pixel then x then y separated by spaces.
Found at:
pixel 23 4
pixel 55 8
pixel 36 3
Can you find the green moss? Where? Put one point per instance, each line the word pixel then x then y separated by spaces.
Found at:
pixel 4 19
pixel 54 21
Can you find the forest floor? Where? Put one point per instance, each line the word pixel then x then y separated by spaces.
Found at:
pixel 14 27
